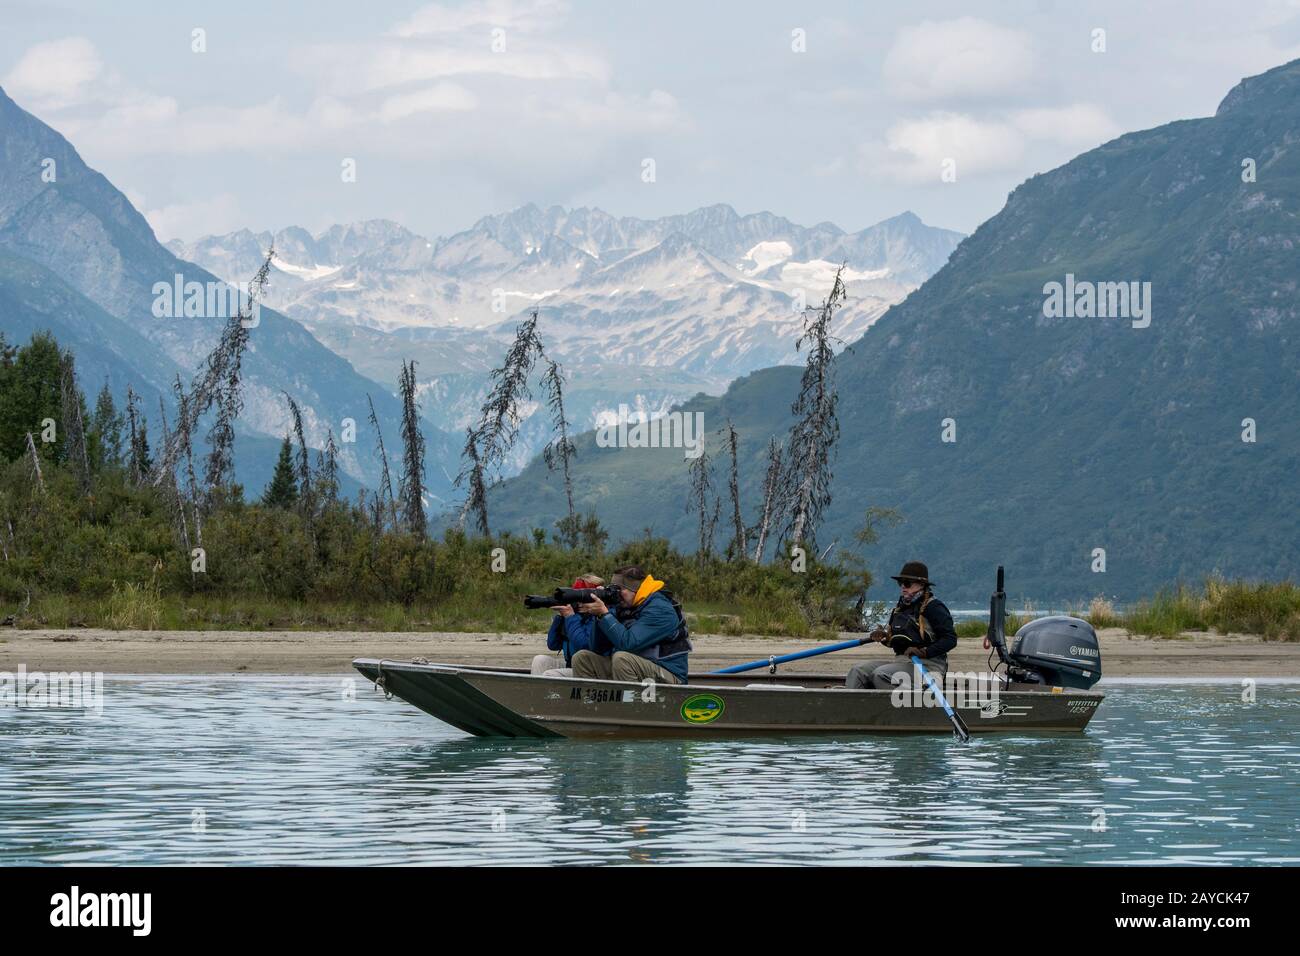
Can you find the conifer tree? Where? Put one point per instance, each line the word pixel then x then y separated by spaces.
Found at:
pixel 282 492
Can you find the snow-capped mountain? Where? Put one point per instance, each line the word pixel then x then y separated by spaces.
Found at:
pixel 645 312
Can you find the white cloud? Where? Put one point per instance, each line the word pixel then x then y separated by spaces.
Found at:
pixel 509 15
pixel 958 59
pixel 437 98
pixel 216 214
pixel 1079 125
pixel 915 150
pixel 55 74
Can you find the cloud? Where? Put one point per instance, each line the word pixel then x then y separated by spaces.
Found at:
pixel 55 74
pixel 958 59
pixel 218 214
pixel 916 150
pixel 433 99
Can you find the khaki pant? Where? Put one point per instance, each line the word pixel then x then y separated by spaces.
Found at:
pixel 549 665
pixel 871 676
pixel 623 666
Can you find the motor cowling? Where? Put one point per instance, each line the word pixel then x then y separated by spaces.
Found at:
pixel 1059 650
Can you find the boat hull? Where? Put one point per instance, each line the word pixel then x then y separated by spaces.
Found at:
pixel 507 703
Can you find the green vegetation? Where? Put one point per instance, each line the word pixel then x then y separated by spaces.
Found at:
pixel 1270 610
pixel 99 544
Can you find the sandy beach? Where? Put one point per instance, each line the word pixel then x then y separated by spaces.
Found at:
pixel 329 652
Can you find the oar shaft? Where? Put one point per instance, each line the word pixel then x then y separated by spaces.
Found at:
pixel 799 655
pixel 958 724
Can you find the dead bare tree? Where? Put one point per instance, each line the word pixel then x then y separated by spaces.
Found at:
pixel 172 490
pixel 701 478
pixel 218 383
pixel 560 451
pixel 736 552
pixel 500 417
pixel 140 465
pixel 184 444
pixel 476 493
pixel 385 492
pixel 770 513
pixel 808 473
pixel 328 469
pixel 306 499
pixel 36 463
pixel 411 488
pixel 74 430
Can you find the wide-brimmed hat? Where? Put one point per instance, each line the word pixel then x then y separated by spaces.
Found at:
pixel 914 571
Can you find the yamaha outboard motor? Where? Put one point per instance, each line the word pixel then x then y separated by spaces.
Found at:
pixel 1059 650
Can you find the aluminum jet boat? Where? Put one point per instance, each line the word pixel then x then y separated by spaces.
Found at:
pixel 1043 684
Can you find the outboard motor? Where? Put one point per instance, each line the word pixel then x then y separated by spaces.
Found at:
pixel 1059 650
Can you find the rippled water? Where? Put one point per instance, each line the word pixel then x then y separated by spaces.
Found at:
pixel 289 770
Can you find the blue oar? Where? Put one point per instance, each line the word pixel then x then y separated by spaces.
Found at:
pixel 958 725
pixel 736 669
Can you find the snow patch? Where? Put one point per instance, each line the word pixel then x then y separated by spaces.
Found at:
pixel 767 254
pixel 306 272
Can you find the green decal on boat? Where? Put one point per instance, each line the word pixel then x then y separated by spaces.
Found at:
pixel 702 708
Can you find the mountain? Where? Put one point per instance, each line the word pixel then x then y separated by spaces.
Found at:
pixel 1073 433
pixel 78 259
pixel 717 293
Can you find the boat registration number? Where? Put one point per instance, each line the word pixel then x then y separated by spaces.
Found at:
pixel 602 695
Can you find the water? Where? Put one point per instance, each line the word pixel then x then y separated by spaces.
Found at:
pixel 289 770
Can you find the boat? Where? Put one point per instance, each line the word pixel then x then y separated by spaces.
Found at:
pixel 1046 686
pixel 513 703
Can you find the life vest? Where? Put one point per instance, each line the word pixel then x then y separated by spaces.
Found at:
pixel 679 642
pixel 907 625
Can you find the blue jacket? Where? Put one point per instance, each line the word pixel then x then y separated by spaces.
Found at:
pixel 651 623
pixel 574 633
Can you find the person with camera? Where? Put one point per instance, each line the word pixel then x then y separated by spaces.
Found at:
pixel 570 633
pixel 919 625
pixel 649 637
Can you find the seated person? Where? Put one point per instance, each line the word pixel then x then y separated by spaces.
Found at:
pixel 569 634
pixel 919 625
pixel 649 636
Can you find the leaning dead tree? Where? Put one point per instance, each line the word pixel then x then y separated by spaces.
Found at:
pixel 384 502
pixel 74 429
pixel 561 451
pixel 770 514
pixel 218 384
pixel 499 419
pixel 736 551
pixel 411 488
pixel 808 471
pixel 37 477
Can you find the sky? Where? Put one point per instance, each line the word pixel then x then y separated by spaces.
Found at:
pixel 217 116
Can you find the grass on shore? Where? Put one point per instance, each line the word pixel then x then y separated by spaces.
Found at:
pixel 136 607
pixel 1270 610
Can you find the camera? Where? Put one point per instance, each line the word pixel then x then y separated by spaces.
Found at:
pixel 573 597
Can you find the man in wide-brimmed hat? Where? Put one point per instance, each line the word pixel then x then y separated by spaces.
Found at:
pixel 919 625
